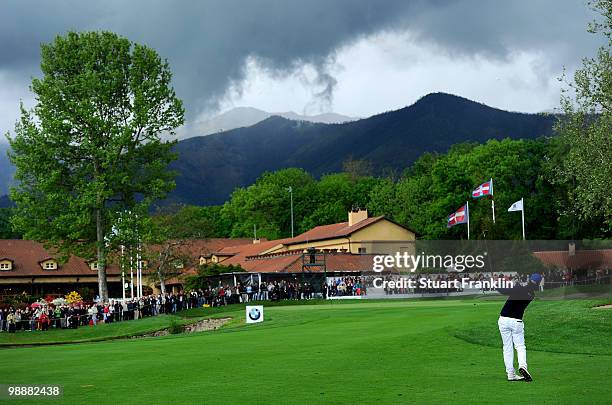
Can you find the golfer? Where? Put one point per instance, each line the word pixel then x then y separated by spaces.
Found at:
pixel 511 326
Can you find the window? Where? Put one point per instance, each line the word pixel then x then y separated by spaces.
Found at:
pixel 362 251
pixel 6 266
pixel 49 265
pixel 93 265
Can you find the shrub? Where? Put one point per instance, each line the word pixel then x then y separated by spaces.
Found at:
pixel 73 297
pixel 175 328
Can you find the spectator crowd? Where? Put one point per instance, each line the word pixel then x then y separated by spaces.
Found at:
pixel 344 286
pixel 41 317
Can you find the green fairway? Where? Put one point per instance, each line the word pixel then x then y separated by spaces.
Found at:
pixel 364 352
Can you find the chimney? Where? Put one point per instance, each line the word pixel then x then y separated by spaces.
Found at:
pixel 256 241
pixel 355 217
pixel 572 249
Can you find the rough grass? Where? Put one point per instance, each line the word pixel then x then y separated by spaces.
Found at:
pixel 570 326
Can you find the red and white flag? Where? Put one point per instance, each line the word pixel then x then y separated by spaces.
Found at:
pixel 458 217
pixel 483 190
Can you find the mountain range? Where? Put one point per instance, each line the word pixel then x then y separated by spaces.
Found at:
pixel 246 116
pixel 211 167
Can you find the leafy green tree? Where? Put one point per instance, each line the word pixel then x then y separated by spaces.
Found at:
pixel 266 204
pixel 383 198
pixel 6 230
pixel 91 148
pixel 334 196
pixel 193 222
pixel 585 170
pixel 437 185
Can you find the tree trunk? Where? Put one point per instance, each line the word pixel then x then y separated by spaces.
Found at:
pixel 162 282
pixel 102 287
pixel 162 262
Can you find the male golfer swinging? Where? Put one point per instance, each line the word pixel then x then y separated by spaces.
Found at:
pixel 511 326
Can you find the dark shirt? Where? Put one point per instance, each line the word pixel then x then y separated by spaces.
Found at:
pixel 519 298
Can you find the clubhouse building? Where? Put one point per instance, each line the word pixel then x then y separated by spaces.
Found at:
pixel 345 247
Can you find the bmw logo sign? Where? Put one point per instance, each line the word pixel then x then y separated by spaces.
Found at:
pixel 254 314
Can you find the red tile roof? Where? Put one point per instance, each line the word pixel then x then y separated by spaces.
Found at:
pixel 291 262
pixel 337 262
pixel 583 259
pixel 276 264
pixel 197 247
pixel 332 231
pixel 211 245
pixel 27 255
pixel 241 252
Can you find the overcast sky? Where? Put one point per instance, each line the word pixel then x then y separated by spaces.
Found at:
pixel 354 57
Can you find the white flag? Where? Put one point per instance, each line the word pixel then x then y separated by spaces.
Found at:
pixel 517 206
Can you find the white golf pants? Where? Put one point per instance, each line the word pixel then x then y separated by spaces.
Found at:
pixel 513 332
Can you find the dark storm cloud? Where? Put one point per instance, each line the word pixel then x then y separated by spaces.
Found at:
pixel 207 42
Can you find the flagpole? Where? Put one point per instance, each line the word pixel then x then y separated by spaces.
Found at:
pixel 122 272
pixel 492 201
pixel 131 274
pixel 523 216
pixel 137 272
pixel 467 209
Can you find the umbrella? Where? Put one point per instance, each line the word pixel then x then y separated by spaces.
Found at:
pixel 36 305
pixel 59 301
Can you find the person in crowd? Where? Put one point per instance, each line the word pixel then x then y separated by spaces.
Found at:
pixel 93 315
pixel 136 310
pixel 44 321
pixel 11 321
pixel 18 319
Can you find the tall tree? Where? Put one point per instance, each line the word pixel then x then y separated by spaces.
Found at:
pixel 91 148
pixel 6 231
pixel 585 170
pixel 436 185
pixel 193 222
pixel 168 258
pixel 266 204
